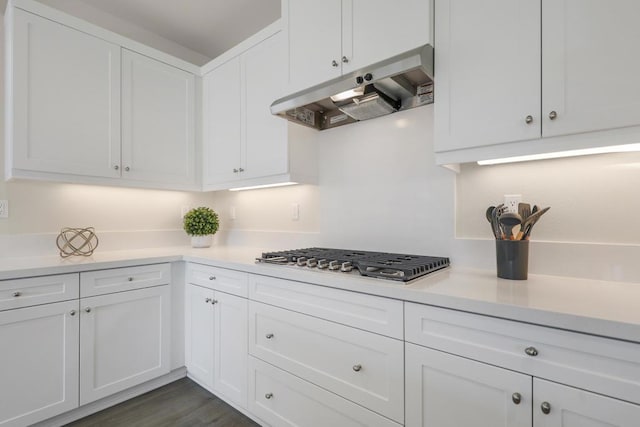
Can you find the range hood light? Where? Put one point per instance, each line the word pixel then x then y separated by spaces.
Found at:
pixel 560 154
pixel 255 187
pixel 359 91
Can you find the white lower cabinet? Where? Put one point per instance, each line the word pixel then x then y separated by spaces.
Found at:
pixel 38 362
pixel 124 340
pixel 449 391
pixel 216 342
pixel 282 399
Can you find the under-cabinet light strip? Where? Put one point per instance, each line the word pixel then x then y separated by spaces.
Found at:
pixel 255 187
pixel 560 154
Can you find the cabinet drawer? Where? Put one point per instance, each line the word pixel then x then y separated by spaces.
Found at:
pixel 103 282
pixel 18 293
pixel 363 367
pixel 371 313
pixel 603 365
pixel 282 399
pixel 220 279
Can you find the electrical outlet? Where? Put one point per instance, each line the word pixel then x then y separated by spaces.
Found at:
pixel 4 209
pixel 511 202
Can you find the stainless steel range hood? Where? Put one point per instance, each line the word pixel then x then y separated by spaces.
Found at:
pixel 399 83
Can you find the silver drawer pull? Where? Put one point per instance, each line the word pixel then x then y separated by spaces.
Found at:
pixel 207 300
pixel 531 351
pixel 72 313
pixel 269 336
pixel 214 301
pixel 212 277
pixel 130 279
pixel 357 368
pixel 268 395
pixel 17 294
pixel 88 309
pixel 545 407
pixel 517 398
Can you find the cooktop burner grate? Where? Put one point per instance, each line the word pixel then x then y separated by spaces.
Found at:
pixel 400 267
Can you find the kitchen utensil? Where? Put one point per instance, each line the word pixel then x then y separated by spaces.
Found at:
pixel 524 209
pixel 508 220
pixel 489 215
pixel 532 220
pixel 489 212
pixel 495 215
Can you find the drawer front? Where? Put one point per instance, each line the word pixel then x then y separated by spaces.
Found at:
pixel 220 279
pixel 363 367
pixel 101 282
pixel 282 399
pixel 18 293
pixel 376 314
pixel 603 365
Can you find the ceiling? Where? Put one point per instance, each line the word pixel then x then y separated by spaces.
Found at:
pixel 208 27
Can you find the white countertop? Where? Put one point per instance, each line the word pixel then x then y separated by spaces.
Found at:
pixel 610 309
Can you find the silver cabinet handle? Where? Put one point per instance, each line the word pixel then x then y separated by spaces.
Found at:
pixel 235 170
pixel 345 59
pixel 207 300
pixel 553 115
pixel 531 351
pixel 72 313
pixel 517 398
pixel 334 63
pixel 545 407
pixel 17 294
pixel 240 170
pixel 268 395
pixel 214 301
pixel 528 120
pixel 269 336
pixel 87 309
pixel 212 277
pixel 130 279
pixel 116 167
pixel 127 169
pixel 357 368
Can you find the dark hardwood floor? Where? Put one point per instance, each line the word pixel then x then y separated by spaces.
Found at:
pixel 181 403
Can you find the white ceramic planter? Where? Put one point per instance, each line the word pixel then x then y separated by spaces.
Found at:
pixel 201 241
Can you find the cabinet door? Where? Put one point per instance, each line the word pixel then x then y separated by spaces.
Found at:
pixel 449 391
pixel 124 340
pixel 374 30
pixel 38 362
pixel 199 334
pixel 315 38
pixel 222 123
pixel 230 347
pixel 158 124
pixel 487 60
pixel 266 144
pixel 572 407
pixel 66 99
pixel 590 65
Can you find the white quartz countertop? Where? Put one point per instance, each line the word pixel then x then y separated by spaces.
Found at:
pixel 610 309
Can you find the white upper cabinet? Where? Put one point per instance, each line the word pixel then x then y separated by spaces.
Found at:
pixel 487 68
pixel 590 65
pixel 64 93
pixel 158 121
pixel 334 37
pixel 534 76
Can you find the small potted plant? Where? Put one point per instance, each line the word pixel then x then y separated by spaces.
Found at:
pixel 201 224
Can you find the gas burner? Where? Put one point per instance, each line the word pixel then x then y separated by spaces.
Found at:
pixel 399 267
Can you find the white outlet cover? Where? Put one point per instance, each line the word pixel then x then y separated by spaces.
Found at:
pixel 511 202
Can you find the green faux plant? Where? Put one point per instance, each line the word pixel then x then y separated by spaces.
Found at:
pixel 201 221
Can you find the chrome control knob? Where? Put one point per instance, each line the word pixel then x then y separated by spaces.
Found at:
pixel 72 313
pixel 553 115
pixel 345 59
pixel 87 309
pixel 323 263
pixel 312 262
pixel 302 261
pixel 334 265
pixel 268 395
pixel 357 367
pixel 545 407
pixel 517 398
pixel 346 267
pixel 528 120
pixel 531 351
pixel 334 63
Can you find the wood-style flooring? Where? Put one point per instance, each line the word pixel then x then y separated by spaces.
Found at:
pixel 181 403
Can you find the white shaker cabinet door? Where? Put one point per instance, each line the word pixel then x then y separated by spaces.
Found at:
pixel 266 143
pixel 124 341
pixel 487 63
pixel 66 99
pixel 556 405
pixel 315 37
pixel 199 318
pixel 222 123
pixel 38 362
pixel 158 121
pixel 231 338
pixel 444 390
pixel 375 30
pixel 590 65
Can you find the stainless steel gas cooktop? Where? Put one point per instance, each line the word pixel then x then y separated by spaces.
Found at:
pixel 400 267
